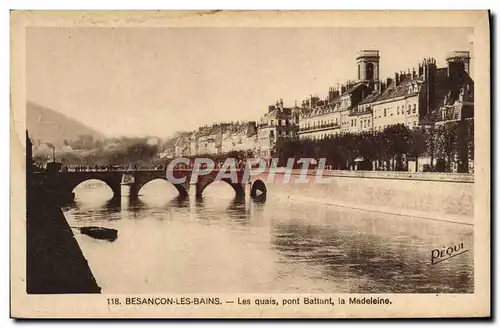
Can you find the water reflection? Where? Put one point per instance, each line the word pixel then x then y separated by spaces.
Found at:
pixel 238 210
pixel 179 202
pixel 221 243
pixel 379 264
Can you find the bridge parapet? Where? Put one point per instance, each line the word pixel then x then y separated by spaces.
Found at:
pixel 181 179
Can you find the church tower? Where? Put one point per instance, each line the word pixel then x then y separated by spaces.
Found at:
pixel 368 66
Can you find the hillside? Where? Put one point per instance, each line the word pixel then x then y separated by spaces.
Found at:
pixel 50 126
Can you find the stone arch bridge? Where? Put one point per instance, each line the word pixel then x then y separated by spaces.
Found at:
pixel 67 181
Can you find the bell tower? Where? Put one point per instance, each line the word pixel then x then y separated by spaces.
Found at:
pixel 368 66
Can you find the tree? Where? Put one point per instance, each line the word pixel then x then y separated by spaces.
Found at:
pixel 462 146
pixel 446 137
pixel 417 145
pixel 397 138
pixel 287 149
pixel 430 142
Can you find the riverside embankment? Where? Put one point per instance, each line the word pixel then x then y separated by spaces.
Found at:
pixel 55 263
pixel 436 196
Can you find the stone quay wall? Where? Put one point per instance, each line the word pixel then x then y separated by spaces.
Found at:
pixel 437 196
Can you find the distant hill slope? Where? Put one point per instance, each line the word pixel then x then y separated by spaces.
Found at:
pixel 47 125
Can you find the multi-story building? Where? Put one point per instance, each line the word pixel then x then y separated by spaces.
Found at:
pixel 209 139
pixel 337 114
pixel 240 137
pixel 458 102
pixel 319 118
pixel 410 98
pixel 277 125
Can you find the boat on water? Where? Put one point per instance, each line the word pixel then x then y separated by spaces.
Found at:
pixel 99 233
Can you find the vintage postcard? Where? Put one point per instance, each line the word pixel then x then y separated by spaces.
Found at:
pixel 253 164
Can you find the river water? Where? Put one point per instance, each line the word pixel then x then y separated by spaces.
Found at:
pixel 220 244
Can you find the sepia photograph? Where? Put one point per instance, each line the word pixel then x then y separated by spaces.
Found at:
pixel 250 164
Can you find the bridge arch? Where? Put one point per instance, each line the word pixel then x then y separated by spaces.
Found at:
pixel 258 189
pixel 205 181
pixel 70 186
pixel 141 182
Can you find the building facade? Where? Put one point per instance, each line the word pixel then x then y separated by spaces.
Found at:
pixel 409 98
pixel 277 125
pixel 368 104
pixel 240 137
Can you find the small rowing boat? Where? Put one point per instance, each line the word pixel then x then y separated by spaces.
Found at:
pixel 99 232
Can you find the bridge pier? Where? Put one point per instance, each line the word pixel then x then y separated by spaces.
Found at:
pixel 134 191
pixel 193 189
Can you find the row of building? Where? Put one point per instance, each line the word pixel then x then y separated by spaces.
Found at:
pixel 411 97
pixel 215 139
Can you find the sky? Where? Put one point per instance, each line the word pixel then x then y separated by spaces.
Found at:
pixel 156 81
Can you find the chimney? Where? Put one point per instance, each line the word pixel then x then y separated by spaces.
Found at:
pixel 456 69
pixel 396 79
pixel 271 108
pixel 330 94
pixel 414 74
pixel 430 71
pixel 429 68
pixel 342 89
pixel 382 86
pixel 460 56
pixel 314 101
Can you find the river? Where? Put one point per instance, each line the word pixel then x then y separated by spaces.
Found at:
pixel 219 244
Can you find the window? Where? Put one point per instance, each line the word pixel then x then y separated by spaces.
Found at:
pixel 368 123
pixel 398 110
pixel 385 111
pixel 402 109
pixel 414 108
pixel 369 71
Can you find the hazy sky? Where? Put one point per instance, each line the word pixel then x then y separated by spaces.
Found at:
pixel 155 81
